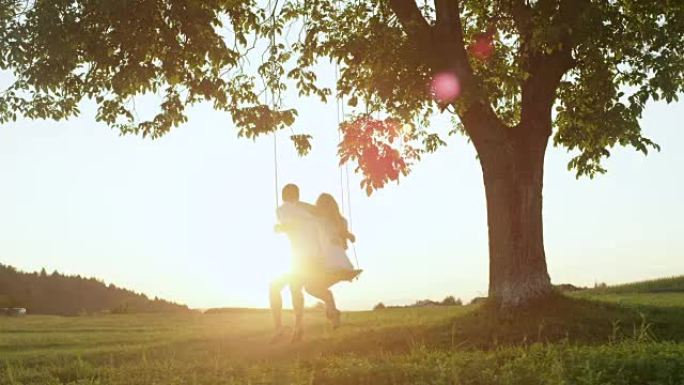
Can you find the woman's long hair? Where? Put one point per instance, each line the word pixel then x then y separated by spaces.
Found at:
pixel 328 209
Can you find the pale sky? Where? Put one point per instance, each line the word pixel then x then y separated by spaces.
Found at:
pixel 189 217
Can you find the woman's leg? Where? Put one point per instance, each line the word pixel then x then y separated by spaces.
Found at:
pixel 321 289
pixel 323 293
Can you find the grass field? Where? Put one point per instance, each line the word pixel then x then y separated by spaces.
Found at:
pixel 630 334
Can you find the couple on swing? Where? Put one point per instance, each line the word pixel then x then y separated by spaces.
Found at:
pixel 318 235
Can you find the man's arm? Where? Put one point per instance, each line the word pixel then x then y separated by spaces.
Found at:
pixel 282 227
pixel 288 217
pixel 308 207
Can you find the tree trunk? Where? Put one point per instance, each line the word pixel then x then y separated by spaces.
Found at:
pixel 513 171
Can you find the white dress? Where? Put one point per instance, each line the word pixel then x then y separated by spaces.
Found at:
pixel 334 255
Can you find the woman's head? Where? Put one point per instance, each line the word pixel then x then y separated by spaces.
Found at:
pixel 327 206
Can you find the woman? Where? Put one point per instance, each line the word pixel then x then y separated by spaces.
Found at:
pixel 334 265
pixel 333 237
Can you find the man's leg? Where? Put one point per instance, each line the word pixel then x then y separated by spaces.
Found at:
pixel 276 302
pixel 298 306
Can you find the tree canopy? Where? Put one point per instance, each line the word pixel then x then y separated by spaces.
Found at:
pixel 613 55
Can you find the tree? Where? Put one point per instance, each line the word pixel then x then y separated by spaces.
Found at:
pixel 513 74
pixel 451 301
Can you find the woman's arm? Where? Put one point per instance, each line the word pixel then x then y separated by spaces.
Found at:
pixel 347 234
pixel 351 237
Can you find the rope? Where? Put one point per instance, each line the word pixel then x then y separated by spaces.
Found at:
pixel 272 9
pixel 356 258
pixel 340 117
pixel 344 171
pixel 275 170
pixel 340 104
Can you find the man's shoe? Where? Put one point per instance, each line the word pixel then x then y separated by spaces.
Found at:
pixel 296 335
pixel 280 334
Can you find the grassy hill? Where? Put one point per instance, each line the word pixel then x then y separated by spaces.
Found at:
pixel 585 338
pixel 42 293
pixel 665 292
pixel 663 285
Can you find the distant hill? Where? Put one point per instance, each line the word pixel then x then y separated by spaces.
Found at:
pixel 662 285
pixel 42 293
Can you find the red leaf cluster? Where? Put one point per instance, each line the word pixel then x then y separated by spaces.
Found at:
pixel 483 46
pixel 380 147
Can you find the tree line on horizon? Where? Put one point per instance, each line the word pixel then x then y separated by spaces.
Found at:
pixel 449 300
pixel 59 294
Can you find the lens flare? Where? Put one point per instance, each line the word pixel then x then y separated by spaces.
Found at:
pixel 445 87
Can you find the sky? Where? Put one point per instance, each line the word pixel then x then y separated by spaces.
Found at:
pixel 189 217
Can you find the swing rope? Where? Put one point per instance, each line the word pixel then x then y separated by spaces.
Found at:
pixel 344 170
pixel 340 117
pixel 275 170
pixel 273 104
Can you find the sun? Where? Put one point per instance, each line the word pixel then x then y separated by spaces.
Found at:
pixel 243 278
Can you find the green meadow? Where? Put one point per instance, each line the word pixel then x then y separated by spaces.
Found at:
pixel 631 334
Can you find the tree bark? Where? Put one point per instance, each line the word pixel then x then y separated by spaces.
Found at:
pixel 513 171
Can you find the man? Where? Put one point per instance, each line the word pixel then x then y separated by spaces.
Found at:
pixel 298 221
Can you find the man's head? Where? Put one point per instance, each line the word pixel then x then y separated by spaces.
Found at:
pixel 290 193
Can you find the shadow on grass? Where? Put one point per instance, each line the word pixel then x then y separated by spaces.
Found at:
pixel 558 318
pixel 480 327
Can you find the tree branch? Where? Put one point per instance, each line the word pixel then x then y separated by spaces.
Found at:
pixel 522 15
pixel 547 69
pixel 443 49
pixel 447 11
pixel 449 31
pixel 413 22
pixel 479 119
